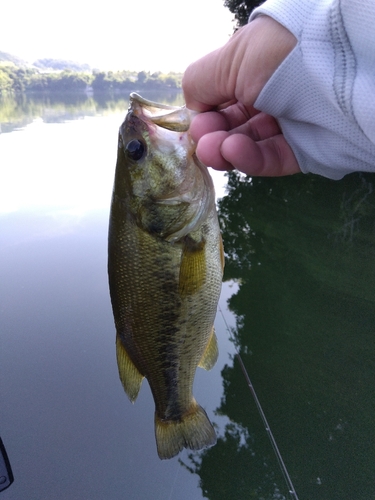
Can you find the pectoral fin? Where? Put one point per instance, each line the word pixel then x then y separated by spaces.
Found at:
pixel 193 267
pixel 211 353
pixel 130 377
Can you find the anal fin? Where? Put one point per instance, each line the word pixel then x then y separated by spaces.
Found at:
pixel 211 353
pixel 130 377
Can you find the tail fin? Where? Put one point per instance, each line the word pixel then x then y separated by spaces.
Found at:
pixel 193 431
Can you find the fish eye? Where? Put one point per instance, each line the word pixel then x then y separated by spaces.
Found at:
pixel 135 149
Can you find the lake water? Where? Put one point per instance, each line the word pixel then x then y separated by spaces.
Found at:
pixel 298 302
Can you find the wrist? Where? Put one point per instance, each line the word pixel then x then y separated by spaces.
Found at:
pixel 258 50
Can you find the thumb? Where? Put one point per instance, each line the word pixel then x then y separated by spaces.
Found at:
pixel 239 70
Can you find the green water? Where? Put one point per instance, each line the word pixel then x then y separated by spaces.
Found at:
pixel 298 297
pixel 303 252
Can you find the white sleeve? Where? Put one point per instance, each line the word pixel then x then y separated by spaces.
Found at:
pixel 323 94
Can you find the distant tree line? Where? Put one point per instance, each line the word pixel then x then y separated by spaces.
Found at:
pixel 15 79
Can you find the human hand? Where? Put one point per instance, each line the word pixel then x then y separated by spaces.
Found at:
pixel 224 85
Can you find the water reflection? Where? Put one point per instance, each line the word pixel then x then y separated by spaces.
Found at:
pixel 302 250
pixel 18 111
pixel 301 253
pixel 69 429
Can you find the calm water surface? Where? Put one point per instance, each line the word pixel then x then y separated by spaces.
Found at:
pixel 298 297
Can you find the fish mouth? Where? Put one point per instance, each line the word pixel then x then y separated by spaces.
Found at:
pixel 174 118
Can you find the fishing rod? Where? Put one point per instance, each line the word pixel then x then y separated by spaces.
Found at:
pixel 284 470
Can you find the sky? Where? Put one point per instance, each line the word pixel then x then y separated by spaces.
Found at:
pixel 159 35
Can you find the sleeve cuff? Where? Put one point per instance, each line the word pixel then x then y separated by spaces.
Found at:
pixel 292 14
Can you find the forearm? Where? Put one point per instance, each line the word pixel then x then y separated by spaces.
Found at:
pixel 324 89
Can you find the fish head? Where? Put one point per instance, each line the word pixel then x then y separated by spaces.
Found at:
pixel 158 176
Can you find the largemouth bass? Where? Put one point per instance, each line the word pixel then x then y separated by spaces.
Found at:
pixel 165 266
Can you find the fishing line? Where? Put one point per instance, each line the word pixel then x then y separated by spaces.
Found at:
pixel 174 482
pixel 284 470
